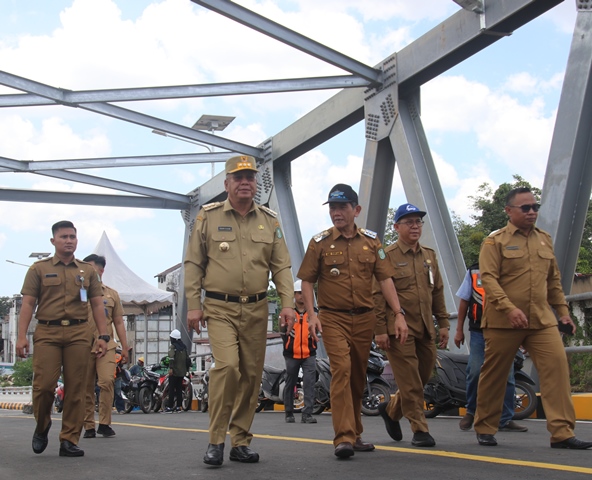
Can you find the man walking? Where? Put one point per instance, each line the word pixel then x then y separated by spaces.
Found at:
pixel 421 294
pixel 103 369
pixel 233 248
pixel 522 282
pixel 344 259
pixel 62 287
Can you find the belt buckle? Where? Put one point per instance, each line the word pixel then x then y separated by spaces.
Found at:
pixel 243 299
pixel 65 323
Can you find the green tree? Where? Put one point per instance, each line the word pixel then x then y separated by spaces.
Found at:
pixel 489 216
pixel 5 304
pixel 390 235
pixel 23 373
pixel 584 264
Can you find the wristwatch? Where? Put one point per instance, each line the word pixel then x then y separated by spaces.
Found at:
pixel 402 312
pixel 106 338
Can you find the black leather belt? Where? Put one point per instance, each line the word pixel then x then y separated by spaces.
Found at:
pixel 353 311
pixel 237 298
pixel 62 323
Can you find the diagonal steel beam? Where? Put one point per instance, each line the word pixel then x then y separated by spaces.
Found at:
pixel 34 196
pixel 568 178
pixel 9 165
pixel 58 95
pixel 187 91
pixel 285 35
pixel 446 45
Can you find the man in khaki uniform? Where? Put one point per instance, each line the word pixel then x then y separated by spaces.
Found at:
pixel 344 260
pixel 421 294
pixel 522 281
pixel 103 368
pixel 62 286
pixel 232 250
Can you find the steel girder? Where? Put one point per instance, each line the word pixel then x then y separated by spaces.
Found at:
pixel 568 179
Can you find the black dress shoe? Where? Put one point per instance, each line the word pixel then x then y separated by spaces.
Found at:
pixel 423 439
pixel 214 454
pixel 40 440
pixel 393 428
pixel 243 454
pixel 90 433
pixel 362 446
pixel 486 440
pixel 68 449
pixel 344 450
pixel 572 443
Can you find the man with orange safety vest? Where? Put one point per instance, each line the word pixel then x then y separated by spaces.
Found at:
pixel 300 351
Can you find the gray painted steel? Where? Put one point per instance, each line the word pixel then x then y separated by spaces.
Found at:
pixel 568 180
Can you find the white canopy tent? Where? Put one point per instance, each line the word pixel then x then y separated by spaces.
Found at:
pixel 137 295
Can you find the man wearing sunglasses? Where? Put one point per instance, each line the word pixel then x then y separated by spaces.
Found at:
pixel 522 283
pixel 421 293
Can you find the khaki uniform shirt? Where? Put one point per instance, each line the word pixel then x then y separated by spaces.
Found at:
pixel 113 308
pixel 519 271
pixel 231 254
pixel 344 268
pixel 420 290
pixel 56 287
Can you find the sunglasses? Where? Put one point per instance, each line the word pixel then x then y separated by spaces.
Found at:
pixel 526 208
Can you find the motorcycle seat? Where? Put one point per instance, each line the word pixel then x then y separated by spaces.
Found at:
pixel 455 357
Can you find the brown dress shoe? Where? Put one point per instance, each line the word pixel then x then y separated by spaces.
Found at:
pixel 361 446
pixel 466 422
pixel 344 450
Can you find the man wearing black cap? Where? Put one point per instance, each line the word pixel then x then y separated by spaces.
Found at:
pixel 344 259
pixel 421 292
pixel 233 248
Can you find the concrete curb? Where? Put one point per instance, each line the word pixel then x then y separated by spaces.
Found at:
pixel 13 405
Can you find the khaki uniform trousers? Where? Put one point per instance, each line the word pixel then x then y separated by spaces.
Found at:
pixel 238 337
pixel 412 364
pixel 548 355
pixel 58 347
pixel 104 369
pixel 347 339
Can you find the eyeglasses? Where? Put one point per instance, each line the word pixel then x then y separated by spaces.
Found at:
pixel 413 223
pixel 526 208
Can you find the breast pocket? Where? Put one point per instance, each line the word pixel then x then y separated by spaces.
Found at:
pixel 514 263
pixel 404 278
pixel 366 262
pixel 334 260
pixel 51 281
pixel 263 242
pixel 545 257
pixel 224 245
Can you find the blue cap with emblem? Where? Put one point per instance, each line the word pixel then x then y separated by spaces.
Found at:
pixel 407 209
pixel 342 193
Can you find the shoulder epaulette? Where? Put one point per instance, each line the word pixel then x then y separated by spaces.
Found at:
pixel 211 206
pixel 427 248
pixel 368 233
pixel 495 232
pixel 269 211
pixel 320 236
pixel 46 259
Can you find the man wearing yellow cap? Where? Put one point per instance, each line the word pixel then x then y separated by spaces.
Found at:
pixel 233 247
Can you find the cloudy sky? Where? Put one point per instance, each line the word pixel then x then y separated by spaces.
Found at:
pixel 486 119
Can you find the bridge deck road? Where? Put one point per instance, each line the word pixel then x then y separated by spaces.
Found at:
pixel 167 446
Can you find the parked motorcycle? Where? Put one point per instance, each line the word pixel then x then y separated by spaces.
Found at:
pixel 58 403
pixel 447 389
pixel 377 388
pixel 273 382
pixel 139 392
pixel 161 394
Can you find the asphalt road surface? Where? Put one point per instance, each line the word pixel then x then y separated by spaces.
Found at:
pixel 171 446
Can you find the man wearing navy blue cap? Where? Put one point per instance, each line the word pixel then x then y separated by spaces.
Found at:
pixel 344 259
pixel 421 293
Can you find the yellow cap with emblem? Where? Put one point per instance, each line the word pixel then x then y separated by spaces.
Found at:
pixel 241 162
